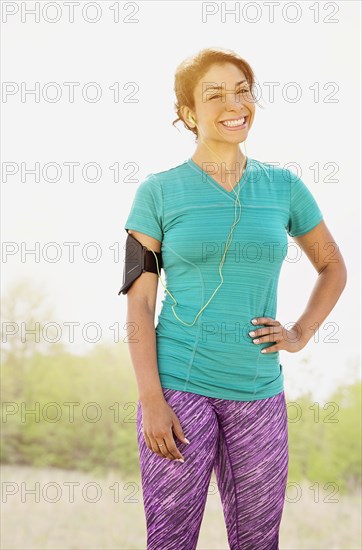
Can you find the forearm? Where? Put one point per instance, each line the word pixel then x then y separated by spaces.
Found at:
pixel 326 292
pixel 142 347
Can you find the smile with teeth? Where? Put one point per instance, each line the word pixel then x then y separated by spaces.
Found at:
pixel 240 122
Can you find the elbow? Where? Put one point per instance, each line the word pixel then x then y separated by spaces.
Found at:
pixel 338 272
pixel 344 278
pixel 343 274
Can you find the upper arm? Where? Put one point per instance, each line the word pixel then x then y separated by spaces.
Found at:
pixel 145 286
pixel 321 248
pixel 307 227
pixel 145 223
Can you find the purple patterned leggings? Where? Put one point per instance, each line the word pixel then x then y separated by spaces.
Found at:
pixel 246 443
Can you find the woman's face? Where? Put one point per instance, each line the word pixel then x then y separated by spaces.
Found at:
pixel 231 101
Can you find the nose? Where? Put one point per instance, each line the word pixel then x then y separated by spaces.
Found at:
pixel 234 101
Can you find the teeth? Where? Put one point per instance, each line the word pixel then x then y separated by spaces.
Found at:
pixel 239 122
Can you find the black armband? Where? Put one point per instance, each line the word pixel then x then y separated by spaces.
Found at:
pixel 137 260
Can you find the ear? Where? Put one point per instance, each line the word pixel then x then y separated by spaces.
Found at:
pixel 186 114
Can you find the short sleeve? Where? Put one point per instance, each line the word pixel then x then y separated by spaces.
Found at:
pixel 304 212
pixel 146 214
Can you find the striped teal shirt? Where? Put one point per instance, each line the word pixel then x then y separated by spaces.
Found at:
pixel 192 214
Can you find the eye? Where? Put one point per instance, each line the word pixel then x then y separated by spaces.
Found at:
pixel 244 90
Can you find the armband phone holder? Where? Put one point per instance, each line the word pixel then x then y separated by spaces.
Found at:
pixel 137 260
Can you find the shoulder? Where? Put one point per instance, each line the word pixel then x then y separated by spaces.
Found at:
pixel 272 171
pixel 163 177
pixel 272 176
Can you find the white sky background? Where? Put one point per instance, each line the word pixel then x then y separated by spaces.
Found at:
pixel 309 132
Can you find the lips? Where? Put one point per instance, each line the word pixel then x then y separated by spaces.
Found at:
pixel 233 119
pixel 242 124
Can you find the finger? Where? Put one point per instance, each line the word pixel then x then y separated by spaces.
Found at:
pixel 160 451
pixel 266 321
pixel 277 330
pixel 153 446
pixel 172 448
pixel 168 442
pixel 148 441
pixel 270 349
pixel 274 337
pixel 161 447
pixel 178 431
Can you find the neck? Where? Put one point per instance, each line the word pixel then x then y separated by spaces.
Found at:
pixel 224 159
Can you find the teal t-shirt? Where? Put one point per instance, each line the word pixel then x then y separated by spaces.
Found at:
pixel 192 214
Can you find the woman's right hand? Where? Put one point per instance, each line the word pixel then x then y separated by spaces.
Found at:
pixel 159 421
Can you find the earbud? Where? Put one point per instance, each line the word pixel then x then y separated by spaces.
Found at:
pixel 191 119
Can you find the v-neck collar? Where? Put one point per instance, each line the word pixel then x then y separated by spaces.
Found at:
pixel 231 193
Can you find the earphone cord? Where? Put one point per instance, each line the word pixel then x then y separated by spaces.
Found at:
pixel 223 257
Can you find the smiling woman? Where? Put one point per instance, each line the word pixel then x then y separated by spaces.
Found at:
pixel 192 70
pixel 206 368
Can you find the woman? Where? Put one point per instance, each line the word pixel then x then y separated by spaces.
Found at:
pixel 210 383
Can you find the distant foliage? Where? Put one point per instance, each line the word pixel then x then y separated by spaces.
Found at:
pixel 71 412
pixel 325 439
pixel 51 404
